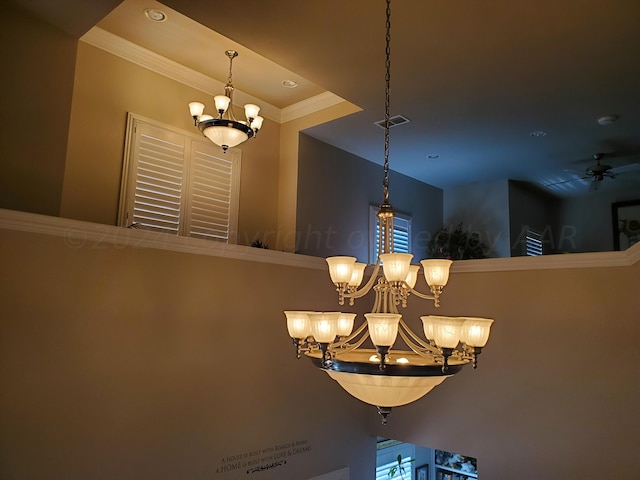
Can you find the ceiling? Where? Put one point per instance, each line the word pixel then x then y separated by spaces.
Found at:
pixel 474 77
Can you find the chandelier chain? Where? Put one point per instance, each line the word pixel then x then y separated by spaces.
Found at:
pixel 231 54
pixel 387 95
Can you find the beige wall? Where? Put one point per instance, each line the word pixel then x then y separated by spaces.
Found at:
pixel 122 362
pixel 288 190
pixel 37 83
pixel 557 391
pixel 133 363
pixel 106 88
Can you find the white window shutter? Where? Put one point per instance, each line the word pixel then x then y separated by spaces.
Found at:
pixel 156 192
pixel 401 233
pixel 386 459
pixel 177 183
pixel 212 202
pixel 533 243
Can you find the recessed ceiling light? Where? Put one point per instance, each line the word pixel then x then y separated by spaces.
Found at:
pixel 155 15
pixel 433 156
pixel 290 83
pixel 538 133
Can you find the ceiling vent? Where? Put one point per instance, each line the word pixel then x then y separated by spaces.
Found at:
pixel 394 121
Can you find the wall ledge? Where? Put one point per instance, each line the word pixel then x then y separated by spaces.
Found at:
pixel 80 234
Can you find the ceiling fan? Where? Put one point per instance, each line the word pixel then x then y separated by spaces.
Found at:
pixel 598 172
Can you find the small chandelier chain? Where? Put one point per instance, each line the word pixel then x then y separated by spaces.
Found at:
pixel 231 54
pixel 387 88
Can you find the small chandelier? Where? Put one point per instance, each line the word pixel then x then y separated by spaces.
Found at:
pixel 384 376
pixel 225 130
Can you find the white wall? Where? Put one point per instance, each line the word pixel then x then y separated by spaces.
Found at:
pixel 482 208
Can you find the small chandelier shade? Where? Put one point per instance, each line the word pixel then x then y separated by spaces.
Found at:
pixel 224 129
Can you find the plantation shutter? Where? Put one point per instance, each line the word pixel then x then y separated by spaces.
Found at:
pixel 178 184
pixel 533 243
pixel 157 195
pixel 401 233
pixel 386 458
pixel 211 186
pixel 382 471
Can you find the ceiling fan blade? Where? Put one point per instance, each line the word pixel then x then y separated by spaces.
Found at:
pixel 566 181
pixel 625 168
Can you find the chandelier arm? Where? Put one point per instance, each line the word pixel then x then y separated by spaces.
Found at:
pixel 367 287
pixel 346 348
pixel 404 327
pixel 353 335
pixel 428 352
pixel 424 296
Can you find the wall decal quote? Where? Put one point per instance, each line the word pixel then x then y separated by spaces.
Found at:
pixel 262 459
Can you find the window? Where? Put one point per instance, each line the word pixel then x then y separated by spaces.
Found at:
pixel 387 458
pixel 533 243
pixel 177 183
pixel 401 233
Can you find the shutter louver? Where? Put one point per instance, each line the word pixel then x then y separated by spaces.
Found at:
pixel 533 243
pixel 401 233
pixel 210 200
pixel 158 183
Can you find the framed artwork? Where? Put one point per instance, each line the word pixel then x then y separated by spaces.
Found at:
pixel 626 224
pixel 422 473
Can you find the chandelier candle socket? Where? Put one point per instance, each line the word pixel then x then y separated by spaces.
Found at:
pixel 387 376
pixel 225 130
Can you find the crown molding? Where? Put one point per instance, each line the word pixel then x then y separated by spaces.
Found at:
pixel 79 234
pixel 310 105
pixel 150 60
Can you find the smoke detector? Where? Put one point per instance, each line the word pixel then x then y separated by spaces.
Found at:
pixel 607 120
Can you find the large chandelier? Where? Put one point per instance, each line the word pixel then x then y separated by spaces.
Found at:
pixel 384 376
pixel 225 130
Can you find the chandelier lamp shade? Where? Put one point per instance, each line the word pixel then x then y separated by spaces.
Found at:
pixel 366 360
pixel 224 129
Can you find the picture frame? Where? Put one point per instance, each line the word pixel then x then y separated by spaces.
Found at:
pixel 422 472
pixel 625 218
